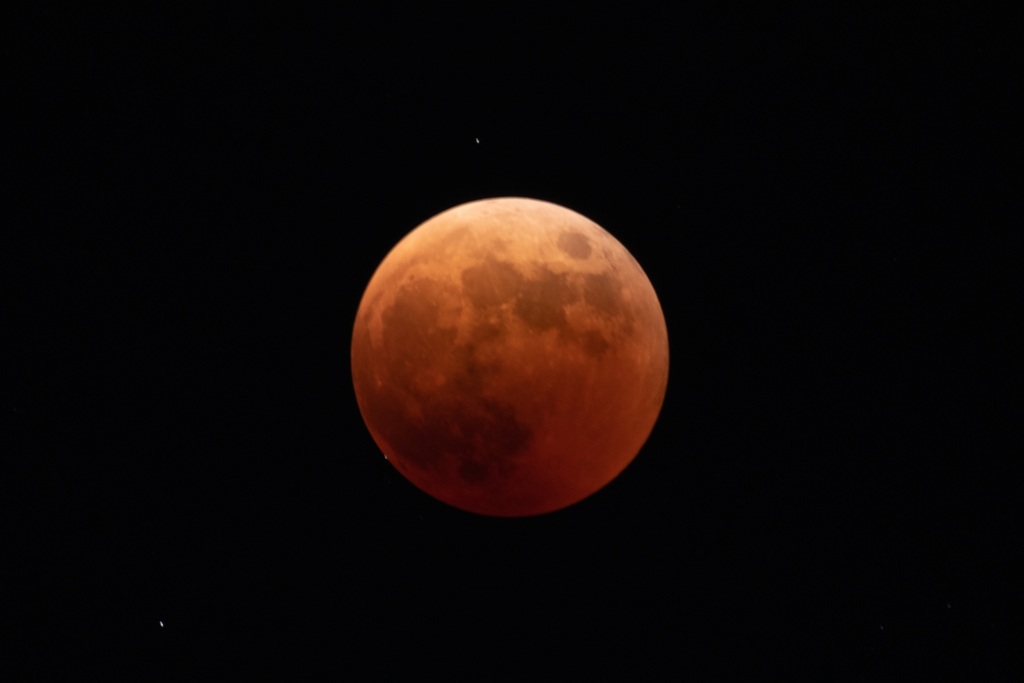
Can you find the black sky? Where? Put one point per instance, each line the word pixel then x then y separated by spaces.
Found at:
pixel 197 202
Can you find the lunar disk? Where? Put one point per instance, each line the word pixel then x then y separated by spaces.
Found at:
pixel 509 357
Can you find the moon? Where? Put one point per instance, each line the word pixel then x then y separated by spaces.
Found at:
pixel 509 357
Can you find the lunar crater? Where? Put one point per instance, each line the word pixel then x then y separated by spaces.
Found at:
pixel 575 244
pixel 491 283
pixel 541 300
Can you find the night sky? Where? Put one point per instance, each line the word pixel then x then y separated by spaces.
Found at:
pixel 196 203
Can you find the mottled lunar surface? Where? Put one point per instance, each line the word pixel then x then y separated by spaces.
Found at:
pixel 509 357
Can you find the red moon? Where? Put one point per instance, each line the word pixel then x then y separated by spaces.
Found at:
pixel 509 357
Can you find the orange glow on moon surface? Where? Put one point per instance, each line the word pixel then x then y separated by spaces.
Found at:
pixel 509 357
